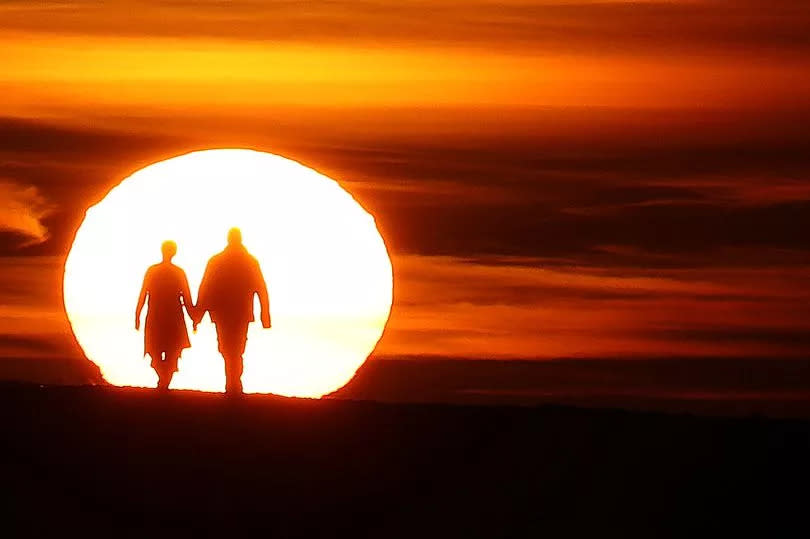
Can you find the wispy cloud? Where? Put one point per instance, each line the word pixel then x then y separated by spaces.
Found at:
pixel 514 307
pixel 530 182
pixel 22 210
pixel 246 55
pixel 577 26
pixel 532 308
pixel 32 319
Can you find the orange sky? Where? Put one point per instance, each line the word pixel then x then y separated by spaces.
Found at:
pixel 63 56
pixel 553 178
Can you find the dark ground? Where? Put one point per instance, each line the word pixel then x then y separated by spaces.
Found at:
pixel 774 387
pixel 115 462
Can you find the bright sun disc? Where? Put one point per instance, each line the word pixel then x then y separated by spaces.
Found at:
pixel 326 266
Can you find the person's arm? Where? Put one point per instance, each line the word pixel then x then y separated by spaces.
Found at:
pixel 141 302
pixel 264 298
pixel 185 292
pixel 202 296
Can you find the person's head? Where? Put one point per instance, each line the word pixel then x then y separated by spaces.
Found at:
pixel 234 237
pixel 168 249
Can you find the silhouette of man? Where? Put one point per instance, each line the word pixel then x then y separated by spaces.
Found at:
pixel 230 280
pixel 165 336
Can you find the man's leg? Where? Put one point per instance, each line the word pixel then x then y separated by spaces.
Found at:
pixel 232 339
pixel 227 364
pixel 233 373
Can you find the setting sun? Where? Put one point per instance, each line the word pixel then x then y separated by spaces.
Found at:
pixel 327 269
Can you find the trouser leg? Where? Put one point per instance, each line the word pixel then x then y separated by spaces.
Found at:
pixel 228 381
pixel 233 374
pixel 232 339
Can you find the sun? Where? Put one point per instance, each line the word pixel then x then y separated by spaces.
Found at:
pixel 327 269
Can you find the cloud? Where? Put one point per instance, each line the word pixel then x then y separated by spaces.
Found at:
pixel 518 307
pixel 33 325
pixel 646 27
pixel 347 53
pixel 22 211
pixel 543 183
pixel 495 307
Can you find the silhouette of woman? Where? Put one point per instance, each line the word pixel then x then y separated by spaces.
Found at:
pixel 165 336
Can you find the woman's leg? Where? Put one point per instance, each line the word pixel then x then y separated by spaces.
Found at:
pixel 164 376
pixel 170 366
pixel 157 364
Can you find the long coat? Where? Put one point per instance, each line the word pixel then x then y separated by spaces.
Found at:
pixel 167 288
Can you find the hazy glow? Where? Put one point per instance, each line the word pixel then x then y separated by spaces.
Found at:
pixel 327 268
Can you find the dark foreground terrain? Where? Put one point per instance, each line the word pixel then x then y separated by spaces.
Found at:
pixel 774 387
pixel 112 462
pixel 770 386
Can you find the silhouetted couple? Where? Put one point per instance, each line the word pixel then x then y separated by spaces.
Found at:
pixel 231 279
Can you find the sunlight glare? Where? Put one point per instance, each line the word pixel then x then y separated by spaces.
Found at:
pixel 326 266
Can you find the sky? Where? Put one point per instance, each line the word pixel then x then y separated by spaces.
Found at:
pixel 552 179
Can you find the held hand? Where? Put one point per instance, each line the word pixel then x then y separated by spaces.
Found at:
pixel 194 326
